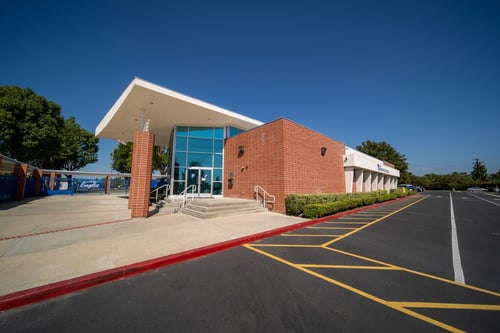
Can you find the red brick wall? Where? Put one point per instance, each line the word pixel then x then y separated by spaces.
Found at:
pixel 140 184
pixel 21 171
pixel 284 158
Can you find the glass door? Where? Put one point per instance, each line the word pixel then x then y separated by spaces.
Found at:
pixel 202 178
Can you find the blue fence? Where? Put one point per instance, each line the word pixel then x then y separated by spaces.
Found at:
pixel 8 188
pixel 72 185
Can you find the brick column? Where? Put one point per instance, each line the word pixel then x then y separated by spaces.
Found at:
pixel 37 175
pixel 52 181
pixel 21 171
pixel 142 166
pixel 107 188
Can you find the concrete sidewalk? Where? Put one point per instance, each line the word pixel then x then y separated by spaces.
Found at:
pixel 63 238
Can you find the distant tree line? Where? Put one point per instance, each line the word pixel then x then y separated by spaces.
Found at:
pixel 457 180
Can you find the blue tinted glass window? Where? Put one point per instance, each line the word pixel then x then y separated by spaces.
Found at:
pixel 218 174
pixel 180 159
pixel 179 187
pixel 200 159
pixel 182 130
pixel 217 188
pixel 233 131
pixel 200 145
pixel 201 132
pixel 218 161
pixel 219 133
pixel 181 143
pixel 218 146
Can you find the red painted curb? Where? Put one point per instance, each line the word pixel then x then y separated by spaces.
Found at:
pixel 41 293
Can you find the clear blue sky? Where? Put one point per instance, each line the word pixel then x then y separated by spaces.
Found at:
pixel 423 76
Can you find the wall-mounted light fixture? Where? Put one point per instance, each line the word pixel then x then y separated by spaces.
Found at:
pixel 323 151
pixel 231 178
pixel 241 148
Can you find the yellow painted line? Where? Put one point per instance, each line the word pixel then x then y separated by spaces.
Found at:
pixel 285 245
pixel 375 221
pixel 358 291
pixel 485 291
pixel 332 228
pixel 454 306
pixel 382 268
pixel 310 235
pixel 467 286
pixel 381 263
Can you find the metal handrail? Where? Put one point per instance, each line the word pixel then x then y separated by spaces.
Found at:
pixel 264 195
pixel 183 194
pixel 166 186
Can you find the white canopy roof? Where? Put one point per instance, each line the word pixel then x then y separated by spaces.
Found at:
pixel 164 108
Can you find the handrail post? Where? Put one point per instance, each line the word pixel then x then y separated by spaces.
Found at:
pixel 264 195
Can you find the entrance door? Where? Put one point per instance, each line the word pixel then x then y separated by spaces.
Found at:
pixel 202 178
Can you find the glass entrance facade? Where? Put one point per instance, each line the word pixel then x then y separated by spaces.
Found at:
pixel 199 148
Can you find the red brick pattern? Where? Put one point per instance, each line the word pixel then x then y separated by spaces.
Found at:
pixel 284 158
pixel 37 175
pixel 142 158
pixel 21 171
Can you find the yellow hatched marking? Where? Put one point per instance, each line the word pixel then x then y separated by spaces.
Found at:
pixel 330 222
pixel 285 245
pixel 311 235
pixel 382 268
pixel 357 291
pixel 373 222
pixel 332 228
pixel 454 306
pixel 485 291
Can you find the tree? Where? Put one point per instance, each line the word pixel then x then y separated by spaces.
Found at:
pixel 161 158
pixel 79 147
pixel 479 172
pixel 122 158
pixel 32 130
pixel 385 152
pixel 30 126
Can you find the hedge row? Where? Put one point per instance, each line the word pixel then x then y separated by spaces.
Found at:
pixel 318 205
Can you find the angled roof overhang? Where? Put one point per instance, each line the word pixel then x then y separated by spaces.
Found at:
pixel 165 109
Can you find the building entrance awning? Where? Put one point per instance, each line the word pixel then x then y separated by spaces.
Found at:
pixel 142 101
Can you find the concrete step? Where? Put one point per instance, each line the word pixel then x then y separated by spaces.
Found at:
pixel 210 208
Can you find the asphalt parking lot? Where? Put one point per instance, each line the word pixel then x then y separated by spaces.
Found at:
pixel 389 268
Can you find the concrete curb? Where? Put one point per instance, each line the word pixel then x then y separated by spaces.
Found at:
pixel 52 290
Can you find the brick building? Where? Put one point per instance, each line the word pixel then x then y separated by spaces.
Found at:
pixel 225 154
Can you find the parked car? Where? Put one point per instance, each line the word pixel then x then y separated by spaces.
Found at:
pixel 420 189
pixel 409 187
pixel 477 189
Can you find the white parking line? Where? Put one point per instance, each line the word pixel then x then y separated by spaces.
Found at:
pixel 457 263
pixel 491 202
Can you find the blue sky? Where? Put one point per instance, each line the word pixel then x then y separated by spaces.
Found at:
pixel 423 76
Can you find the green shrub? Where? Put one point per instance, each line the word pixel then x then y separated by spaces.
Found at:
pixel 315 206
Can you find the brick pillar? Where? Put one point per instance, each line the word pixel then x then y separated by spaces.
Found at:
pixel 52 181
pixel 37 175
pixel 107 188
pixel 21 171
pixel 142 166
